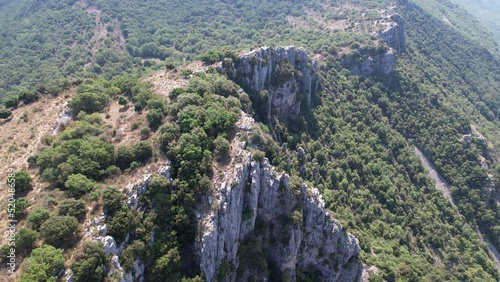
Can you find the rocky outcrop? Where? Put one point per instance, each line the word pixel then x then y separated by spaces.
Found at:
pixel 260 223
pixel 382 59
pixel 96 228
pixel 372 63
pixel 393 33
pixel 275 78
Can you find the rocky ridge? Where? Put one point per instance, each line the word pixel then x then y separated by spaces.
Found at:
pixel 286 73
pixel 256 209
pixel 394 33
pixel 383 60
pixel 252 202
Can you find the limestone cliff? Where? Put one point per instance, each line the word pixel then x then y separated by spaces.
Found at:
pixel 280 78
pixel 260 225
pixel 393 33
pixel 382 59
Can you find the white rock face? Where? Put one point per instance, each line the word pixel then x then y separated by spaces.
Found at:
pixel 394 33
pixel 258 70
pixel 257 196
pixel 110 245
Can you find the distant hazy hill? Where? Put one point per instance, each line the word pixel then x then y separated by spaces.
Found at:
pixel 486 11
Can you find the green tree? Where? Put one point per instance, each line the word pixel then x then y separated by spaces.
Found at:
pixel 186 73
pixel 166 268
pixel 145 132
pixel 38 216
pixel 157 103
pixel 25 238
pixel 222 148
pixel 90 264
pixel 122 101
pixel 135 250
pixel 11 101
pixel 28 97
pixel 72 207
pixel 59 229
pixel 124 156
pixel 4 113
pixel 122 223
pixel 112 200
pixel 89 102
pixel 78 185
pixel 143 151
pixel 168 134
pixel 21 204
pixel 23 181
pixel 43 265
pixel 155 117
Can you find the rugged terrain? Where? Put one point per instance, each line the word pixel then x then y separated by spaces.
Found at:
pixel 250 141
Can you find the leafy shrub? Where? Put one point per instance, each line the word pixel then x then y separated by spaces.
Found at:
pixel 21 204
pixel 4 113
pixel 284 72
pixel 222 148
pixel 135 250
pixel 122 101
pixel 58 229
pixel 139 152
pixel 186 73
pixel 157 103
pixel 143 151
pixel 138 107
pixel 78 185
pixel 211 56
pixel 167 267
pixel 218 120
pixel 25 238
pixel 121 223
pixel 124 156
pixel 134 165
pixel 155 117
pixel 168 134
pixel 145 132
pixel 176 92
pixel 43 265
pixel 23 181
pixel 28 97
pixel 112 200
pixel 72 207
pixel 37 217
pixel 89 102
pixel 113 170
pixel 259 155
pixel 4 252
pixel 90 265
pixel 72 154
pixel 11 101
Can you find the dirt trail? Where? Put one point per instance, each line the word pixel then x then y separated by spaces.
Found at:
pixel 444 187
pixel 441 184
pixel 100 32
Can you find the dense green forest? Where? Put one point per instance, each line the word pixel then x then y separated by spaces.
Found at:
pixel 359 131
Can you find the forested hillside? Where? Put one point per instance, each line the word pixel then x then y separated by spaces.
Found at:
pixel 486 11
pixel 145 139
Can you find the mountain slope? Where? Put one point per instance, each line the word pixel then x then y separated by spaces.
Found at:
pixel 486 11
pixel 178 155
